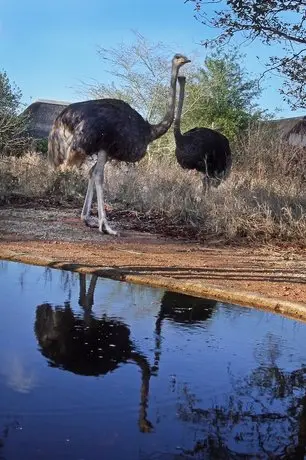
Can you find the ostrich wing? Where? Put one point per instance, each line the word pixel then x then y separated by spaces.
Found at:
pixel 110 125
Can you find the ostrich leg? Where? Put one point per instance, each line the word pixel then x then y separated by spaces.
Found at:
pixel 206 183
pixel 206 178
pixel 85 215
pixel 98 175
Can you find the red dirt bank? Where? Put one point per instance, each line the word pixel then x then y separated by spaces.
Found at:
pixel 28 234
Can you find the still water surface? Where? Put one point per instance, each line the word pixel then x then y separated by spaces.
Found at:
pixel 97 369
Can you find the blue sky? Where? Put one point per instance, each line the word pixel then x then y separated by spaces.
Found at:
pixel 47 47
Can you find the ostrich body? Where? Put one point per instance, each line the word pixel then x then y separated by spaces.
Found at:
pixel 110 129
pixel 202 149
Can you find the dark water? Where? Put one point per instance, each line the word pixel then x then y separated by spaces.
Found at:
pixel 96 369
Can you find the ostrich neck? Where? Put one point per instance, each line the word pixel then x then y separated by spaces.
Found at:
pixel 162 127
pixel 177 121
pixel 141 361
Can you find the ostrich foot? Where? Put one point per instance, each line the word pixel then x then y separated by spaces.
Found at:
pixel 145 426
pixel 90 221
pixel 105 228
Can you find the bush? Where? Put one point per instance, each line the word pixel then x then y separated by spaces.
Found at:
pixel 41 146
pixel 13 137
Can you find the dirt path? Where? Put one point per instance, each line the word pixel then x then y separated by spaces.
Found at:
pixel 35 235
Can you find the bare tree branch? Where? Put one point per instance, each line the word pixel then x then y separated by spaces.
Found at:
pixel 279 21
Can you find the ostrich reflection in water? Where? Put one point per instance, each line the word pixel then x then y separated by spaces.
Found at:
pixel 90 346
pixel 180 309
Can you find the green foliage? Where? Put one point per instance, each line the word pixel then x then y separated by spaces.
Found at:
pixel 13 138
pixel 222 96
pixel 41 145
pixel 10 95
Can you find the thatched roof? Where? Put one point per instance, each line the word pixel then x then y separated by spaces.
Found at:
pixel 42 114
pixel 284 125
pixel 297 134
pixel 291 130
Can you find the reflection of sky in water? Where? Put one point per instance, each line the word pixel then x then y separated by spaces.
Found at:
pixel 16 375
pixel 235 356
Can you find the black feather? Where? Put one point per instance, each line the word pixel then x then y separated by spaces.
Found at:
pixel 107 124
pixel 204 150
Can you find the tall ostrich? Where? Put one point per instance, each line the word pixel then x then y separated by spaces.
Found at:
pixel 202 149
pixel 110 129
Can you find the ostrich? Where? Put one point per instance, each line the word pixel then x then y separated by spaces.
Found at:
pixel 110 129
pixel 86 345
pixel 202 149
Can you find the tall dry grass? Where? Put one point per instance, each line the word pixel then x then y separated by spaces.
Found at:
pixel 263 198
pixel 31 176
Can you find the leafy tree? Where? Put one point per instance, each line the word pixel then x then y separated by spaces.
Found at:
pixel 273 21
pixel 222 95
pixel 10 95
pixel 13 139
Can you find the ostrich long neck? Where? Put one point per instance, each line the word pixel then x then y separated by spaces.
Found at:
pixel 144 424
pixel 162 127
pixel 177 121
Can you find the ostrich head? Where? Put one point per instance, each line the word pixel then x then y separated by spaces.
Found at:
pixel 179 60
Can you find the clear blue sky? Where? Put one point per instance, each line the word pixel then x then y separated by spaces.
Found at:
pixel 48 47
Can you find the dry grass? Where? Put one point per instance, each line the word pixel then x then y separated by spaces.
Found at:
pixel 31 176
pixel 263 198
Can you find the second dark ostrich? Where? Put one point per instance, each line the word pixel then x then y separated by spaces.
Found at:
pixel 110 129
pixel 202 149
